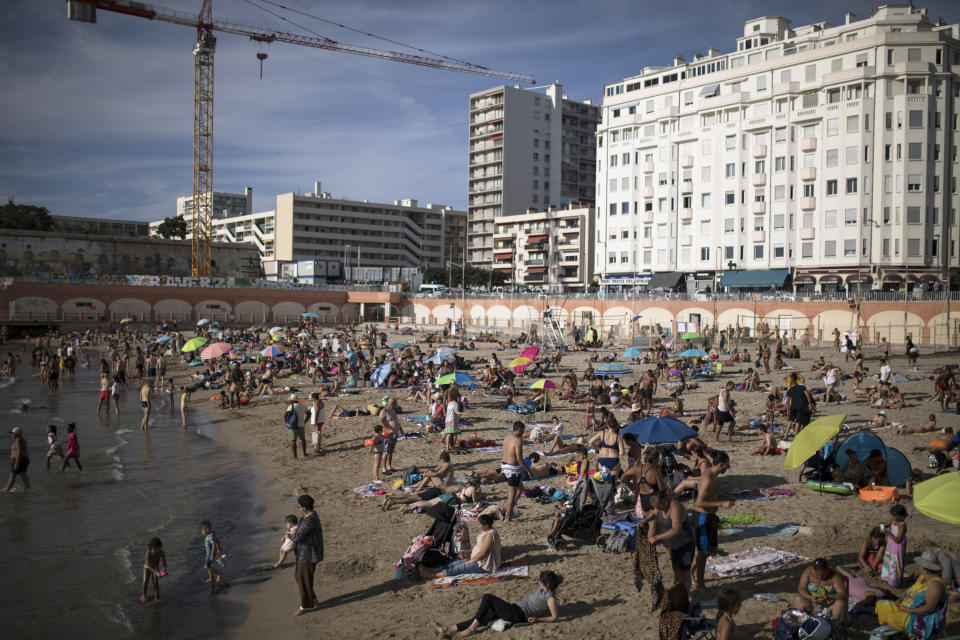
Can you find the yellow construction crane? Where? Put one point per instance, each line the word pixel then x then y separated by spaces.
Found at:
pixel 201 255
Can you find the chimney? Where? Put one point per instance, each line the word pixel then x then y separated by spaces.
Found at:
pixel 849 17
pixel 712 51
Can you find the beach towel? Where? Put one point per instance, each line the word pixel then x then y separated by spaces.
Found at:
pixel 510 571
pixel 739 519
pixel 370 491
pixel 759 531
pixel 762 494
pixel 751 562
pixel 422 419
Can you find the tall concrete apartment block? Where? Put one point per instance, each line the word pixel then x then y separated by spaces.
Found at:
pixel 528 149
pixel 828 150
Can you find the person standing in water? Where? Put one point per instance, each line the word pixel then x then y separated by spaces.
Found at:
pixel 19 460
pixel 145 403
pixel 73 448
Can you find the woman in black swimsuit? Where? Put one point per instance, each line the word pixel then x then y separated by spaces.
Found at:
pixel 645 478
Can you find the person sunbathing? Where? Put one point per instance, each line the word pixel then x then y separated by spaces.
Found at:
pixel 439 477
pixel 926 427
pixel 879 421
pixel 942 443
pixel 818 366
pixel 538 469
pixel 454 494
pixel 339 412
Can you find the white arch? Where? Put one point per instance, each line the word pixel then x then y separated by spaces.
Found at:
pixel 444 312
pixel 889 325
pixel 251 311
pixel 84 308
pixel 421 313
pixel 651 316
pixel 842 319
pixel 585 314
pixel 478 314
pixel 618 316
pixel 525 314
pixel 179 309
pixel 287 311
pixel 737 316
pixel 350 312
pixel 706 316
pixel 123 307
pixel 36 306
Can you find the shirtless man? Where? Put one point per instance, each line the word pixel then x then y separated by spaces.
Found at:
pixel 391 429
pixel 19 460
pixel 648 387
pixel 104 397
pixel 161 370
pixel 511 461
pixel 145 403
pixel 705 521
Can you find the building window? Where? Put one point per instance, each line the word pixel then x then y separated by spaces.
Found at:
pixel 830 218
pixel 851 185
pixel 806 250
pixel 705 200
pixel 612 258
pixel 849 247
pixel 704 254
pixel 613 208
pixel 913 182
pixel 850 217
pixel 778 251
pixel 913 55
pixel 731 170
pixel 915 119
pixel 730 142
pixel 913 247
pixel 831 187
pixel 833 126
pixel 779 164
pixel 758 252
pixel 913 215
pixel 852 153
pixel 915 151
pixel 624 208
pixel 830 249
pixel 729 225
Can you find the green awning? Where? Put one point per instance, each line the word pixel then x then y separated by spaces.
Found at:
pixel 755 279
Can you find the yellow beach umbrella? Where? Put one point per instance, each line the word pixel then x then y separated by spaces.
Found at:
pixel 193 344
pixel 812 438
pixel 937 497
pixel 520 362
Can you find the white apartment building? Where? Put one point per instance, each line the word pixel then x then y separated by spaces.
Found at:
pixel 828 150
pixel 550 250
pixel 224 203
pixel 528 149
pixel 357 233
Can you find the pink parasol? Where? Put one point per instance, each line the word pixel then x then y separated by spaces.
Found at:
pixel 215 350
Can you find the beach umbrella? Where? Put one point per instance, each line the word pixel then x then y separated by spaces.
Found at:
pixel 543 384
pixel 694 353
pixel 459 378
pixel 612 369
pixel 520 363
pixel 690 335
pixel 398 345
pixel 164 339
pixel 303 334
pixel 439 359
pixel 633 352
pixel 937 497
pixel 193 344
pixel 309 314
pixel 447 350
pixel 126 320
pixel 812 438
pixel 202 321
pixel 272 351
pixel 276 337
pixel 380 374
pixel 276 329
pixel 215 350
pixel 530 352
pixel 658 430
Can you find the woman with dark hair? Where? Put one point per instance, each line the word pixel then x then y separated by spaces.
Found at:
pixel 669 526
pixel 645 478
pixel 540 606
pixel 728 604
pixel 484 558
pixel 822 588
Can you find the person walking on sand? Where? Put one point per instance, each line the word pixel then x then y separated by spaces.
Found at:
pixel 705 521
pixel 511 462
pixel 391 431
pixel 308 548
pixel 19 460
pixel 294 419
pixel 145 403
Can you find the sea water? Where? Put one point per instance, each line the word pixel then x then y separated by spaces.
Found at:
pixel 74 544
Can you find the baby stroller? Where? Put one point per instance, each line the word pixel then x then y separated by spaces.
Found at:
pixel 435 547
pixel 581 520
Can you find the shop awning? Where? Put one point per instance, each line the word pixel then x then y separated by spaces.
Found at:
pixel 864 278
pixel 503 267
pixel 536 269
pixel 536 239
pixel 755 279
pixel 710 90
pixel 804 279
pixel 829 279
pixel 665 280
pixel 508 254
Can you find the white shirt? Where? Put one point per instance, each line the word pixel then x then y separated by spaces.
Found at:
pixel 885 373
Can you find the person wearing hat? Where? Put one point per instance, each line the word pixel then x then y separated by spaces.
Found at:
pixel 921 613
pixel 19 459
pixel 308 547
pixel 295 419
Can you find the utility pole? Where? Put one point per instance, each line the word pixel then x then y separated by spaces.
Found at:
pixel 463 293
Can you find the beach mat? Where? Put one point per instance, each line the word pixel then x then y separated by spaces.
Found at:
pixel 762 494
pixel 760 531
pixel 511 571
pixel 751 562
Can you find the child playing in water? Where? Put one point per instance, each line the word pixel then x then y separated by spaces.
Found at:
pixel 287 545
pixel 154 559
pixel 54 446
pixel 73 448
pixel 184 398
pixel 211 554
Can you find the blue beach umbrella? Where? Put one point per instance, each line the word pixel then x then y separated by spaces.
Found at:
pixel 309 314
pixel 164 339
pixel 633 352
pixel 658 430
pixel 380 374
pixel 693 353
pixel 612 369
pixel 202 322
pixel 439 359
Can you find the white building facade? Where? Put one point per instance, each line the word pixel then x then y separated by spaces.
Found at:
pixel 549 250
pixel 830 151
pixel 528 149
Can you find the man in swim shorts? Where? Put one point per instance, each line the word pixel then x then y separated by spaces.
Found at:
pixel 19 460
pixel 104 397
pixel 706 524
pixel 511 464
pixel 145 403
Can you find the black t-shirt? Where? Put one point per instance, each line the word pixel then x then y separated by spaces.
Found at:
pixel 797 398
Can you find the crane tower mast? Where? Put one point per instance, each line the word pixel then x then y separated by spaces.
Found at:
pixel 202 235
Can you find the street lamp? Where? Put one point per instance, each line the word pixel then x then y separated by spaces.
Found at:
pixel 463 290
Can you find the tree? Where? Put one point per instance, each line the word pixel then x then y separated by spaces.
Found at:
pixel 475 277
pixel 173 228
pixel 25 217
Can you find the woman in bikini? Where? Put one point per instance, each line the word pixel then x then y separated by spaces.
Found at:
pixel 609 446
pixel 645 478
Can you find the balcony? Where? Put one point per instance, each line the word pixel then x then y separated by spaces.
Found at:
pixel 686 241
pixel 686 162
pixel 759 180
pixel 648 167
pixel 807 233
pixel 808 174
pixel 648 192
pixel 686 214
pixel 686 188
pixel 808 204
pixel 760 151
pixel 647 243
pixel 758 208
pixel 648 217
pixel 758 236
pixel 808 144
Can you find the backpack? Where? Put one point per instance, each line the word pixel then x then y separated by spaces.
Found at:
pixel 408 474
pixel 291 419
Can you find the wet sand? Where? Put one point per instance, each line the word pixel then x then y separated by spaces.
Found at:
pixel 361 599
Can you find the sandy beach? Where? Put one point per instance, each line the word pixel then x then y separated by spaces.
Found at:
pixel 361 598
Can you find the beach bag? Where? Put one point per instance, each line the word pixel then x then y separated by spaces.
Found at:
pixel 461 540
pixel 408 474
pixel 290 419
pixel 797 625
pixel 879 494
pixel 885 632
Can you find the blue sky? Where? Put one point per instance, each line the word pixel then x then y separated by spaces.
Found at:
pixel 97 118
